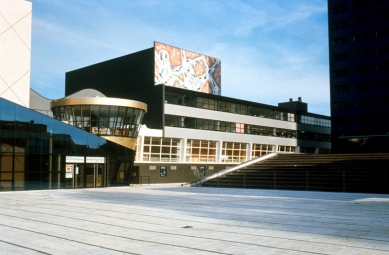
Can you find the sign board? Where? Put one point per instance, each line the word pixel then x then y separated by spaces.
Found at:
pixel 96 160
pixel 202 171
pixel 162 171
pixel 74 159
pixel 152 167
pixel 69 171
pixel 173 167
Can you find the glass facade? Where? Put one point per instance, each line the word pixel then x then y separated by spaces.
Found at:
pixel 103 120
pixel 35 150
pixel 262 112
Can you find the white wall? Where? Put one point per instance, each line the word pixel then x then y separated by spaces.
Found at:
pixel 15 50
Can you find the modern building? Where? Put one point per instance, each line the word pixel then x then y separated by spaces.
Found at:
pixel 115 119
pixel 359 75
pixel 190 129
pixel 90 137
pixel 40 152
pixel 15 50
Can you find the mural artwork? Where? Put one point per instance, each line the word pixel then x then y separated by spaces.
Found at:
pixel 185 69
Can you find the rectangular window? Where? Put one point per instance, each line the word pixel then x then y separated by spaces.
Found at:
pixel 361 20
pixel 339 8
pixel 339 25
pixel 362 69
pixel 289 149
pixel 339 40
pixel 382 15
pixel 234 152
pixel 342 105
pixel 361 53
pixel 362 85
pixel 341 72
pixel 258 150
pixel 384 49
pixel 200 151
pixel 383 66
pixel 360 3
pixel 382 32
pixel 157 149
pixel 363 103
pixel 340 56
pixel 361 36
pixel 341 89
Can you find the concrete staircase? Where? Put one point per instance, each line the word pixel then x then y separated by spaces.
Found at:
pixel 367 173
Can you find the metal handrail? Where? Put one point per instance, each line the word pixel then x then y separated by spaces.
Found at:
pixel 231 169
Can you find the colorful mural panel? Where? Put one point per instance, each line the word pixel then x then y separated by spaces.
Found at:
pixel 187 70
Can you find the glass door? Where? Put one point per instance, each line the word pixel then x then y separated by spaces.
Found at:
pixel 90 176
pixel 79 176
pixel 99 175
pixel 94 175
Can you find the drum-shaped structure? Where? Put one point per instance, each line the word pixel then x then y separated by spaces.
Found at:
pixel 115 119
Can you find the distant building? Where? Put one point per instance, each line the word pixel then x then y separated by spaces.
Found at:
pixel 359 74
pixel 190 129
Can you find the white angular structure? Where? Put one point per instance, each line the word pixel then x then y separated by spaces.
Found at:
pixel 15 50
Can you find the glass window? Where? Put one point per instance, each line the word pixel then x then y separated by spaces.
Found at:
pixel 200 151
pixel 233 152
pixel 161 149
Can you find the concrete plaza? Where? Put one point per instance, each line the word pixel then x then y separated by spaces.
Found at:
pixel 171 219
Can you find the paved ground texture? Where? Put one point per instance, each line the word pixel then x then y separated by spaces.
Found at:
pixel 185 220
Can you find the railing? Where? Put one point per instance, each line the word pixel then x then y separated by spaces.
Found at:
pixel 231 169
pixel 332 172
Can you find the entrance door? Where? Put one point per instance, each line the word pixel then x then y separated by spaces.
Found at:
pixel 94 175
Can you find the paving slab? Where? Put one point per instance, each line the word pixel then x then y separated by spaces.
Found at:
pixel 171 219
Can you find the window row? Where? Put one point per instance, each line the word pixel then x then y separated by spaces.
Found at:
pixel 214 125
pixel 356 4
pixel 360 86
pixel 210 104
pixel 383 49
pixel 360 20
pixel 315 121
pixel 360 36
pixel 361 103
pixel 360 70
pixel 101 119
pixel 203 151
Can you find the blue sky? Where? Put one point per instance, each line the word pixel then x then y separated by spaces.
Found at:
pixel 271 50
